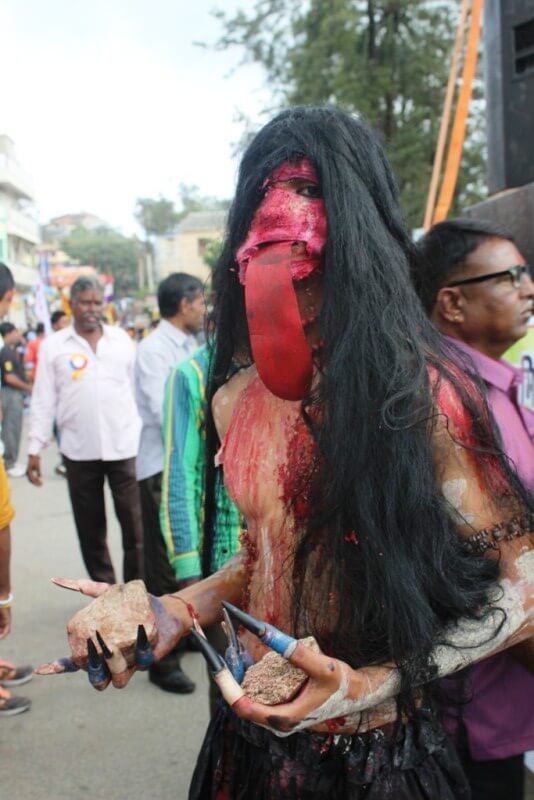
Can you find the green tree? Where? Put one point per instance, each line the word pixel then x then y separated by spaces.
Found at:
pixel 156 217
pixel 386 60
pixel 191 200
pixel 212 252
pixel 109 252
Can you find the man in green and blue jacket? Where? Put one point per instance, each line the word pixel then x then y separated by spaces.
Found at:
pixel 182 496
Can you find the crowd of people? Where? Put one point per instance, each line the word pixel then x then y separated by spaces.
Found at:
pixel 345 458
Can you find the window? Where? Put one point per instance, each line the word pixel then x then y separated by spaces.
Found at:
pixel 524 47
pixel 202 245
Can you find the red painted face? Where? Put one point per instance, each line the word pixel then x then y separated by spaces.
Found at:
pixel 292 211
pixel 285 243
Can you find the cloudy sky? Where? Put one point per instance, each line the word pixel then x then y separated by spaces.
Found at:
pixel 110 100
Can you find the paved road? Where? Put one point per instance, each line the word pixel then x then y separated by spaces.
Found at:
pixel 76 744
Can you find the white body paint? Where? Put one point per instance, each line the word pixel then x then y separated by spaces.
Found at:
pixel 230 689
pixel 453 491
pixel 464 644
pixel 525 569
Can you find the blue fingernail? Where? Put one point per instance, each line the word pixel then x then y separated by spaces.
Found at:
pixel 280 642
pixel 97 675
pixel 144 658
pixel 68 665
pixel 144 655
pixel 96 668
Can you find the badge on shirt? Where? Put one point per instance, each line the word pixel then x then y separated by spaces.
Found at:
pixel 8 366
pixel 77 363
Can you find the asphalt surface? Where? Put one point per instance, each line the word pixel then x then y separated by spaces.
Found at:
pixel 139 743
pixel 76 743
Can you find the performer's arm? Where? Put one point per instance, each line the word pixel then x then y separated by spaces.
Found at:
pixel 173 616
pixel 204 599
pixel 337 694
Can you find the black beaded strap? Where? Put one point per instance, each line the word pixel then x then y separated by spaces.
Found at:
pixel 490 538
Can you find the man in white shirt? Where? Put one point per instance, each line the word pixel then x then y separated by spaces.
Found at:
pixel 182 310
pixel 85 383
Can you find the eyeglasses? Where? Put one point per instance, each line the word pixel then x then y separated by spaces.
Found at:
pixel 514 273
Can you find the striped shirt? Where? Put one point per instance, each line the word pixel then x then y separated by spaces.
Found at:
pixel 182 495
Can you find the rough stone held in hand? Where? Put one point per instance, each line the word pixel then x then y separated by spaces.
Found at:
pixel 116 615
pixel 273 679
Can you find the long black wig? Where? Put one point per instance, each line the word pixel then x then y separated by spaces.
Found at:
pixel 410 574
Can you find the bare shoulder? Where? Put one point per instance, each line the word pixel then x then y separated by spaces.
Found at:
pixel 225 398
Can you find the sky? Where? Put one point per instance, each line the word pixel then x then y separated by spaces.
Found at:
pixel 110 100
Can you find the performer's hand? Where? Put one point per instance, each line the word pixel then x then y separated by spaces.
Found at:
pixel 332 699
pixel 104 661
pixel 33 470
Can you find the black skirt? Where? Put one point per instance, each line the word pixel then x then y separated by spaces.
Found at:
pixel 241 761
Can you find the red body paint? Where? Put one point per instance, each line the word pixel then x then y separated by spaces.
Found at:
pixel 285 243
pixel 296 474
pixel 332 725
pixel 461 428
pixel 285 216
pixel 279 346
pixel 254 450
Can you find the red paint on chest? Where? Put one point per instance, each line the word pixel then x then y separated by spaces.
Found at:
pixel 296 475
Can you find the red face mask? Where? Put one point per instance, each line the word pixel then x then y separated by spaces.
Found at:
pixel 268 267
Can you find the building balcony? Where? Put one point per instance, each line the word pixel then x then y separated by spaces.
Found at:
pixel 25 277
pixel 23 226
pixel 14 180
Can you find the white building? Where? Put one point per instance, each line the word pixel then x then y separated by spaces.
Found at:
pixel 61 227
pixel 183 250
pixel 19 231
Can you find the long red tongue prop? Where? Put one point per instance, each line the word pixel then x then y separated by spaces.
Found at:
pixel 281 352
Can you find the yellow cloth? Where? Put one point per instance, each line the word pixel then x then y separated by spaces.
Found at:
pixel 7 512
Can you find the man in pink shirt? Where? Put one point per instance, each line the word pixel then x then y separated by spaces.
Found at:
pixel 85 383
pixel 479 292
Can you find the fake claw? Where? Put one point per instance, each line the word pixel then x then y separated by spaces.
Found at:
pixel 66 583
pixel 280 642
pixel 82 585
pixel 215 662
pixel 230 631
pixel 115 661
pixel 234 655
pixel 105 649
pixel 96 668
pixel 57 667
pixel 246 620
pixel 144 655
pixel 230 688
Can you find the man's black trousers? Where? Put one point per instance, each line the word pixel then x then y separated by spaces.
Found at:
pixel 86 489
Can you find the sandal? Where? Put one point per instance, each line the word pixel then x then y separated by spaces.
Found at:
pixel 15 705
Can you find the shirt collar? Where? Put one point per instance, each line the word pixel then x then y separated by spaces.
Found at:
pixel 174 333
pixel 71 333
pixel 494 371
